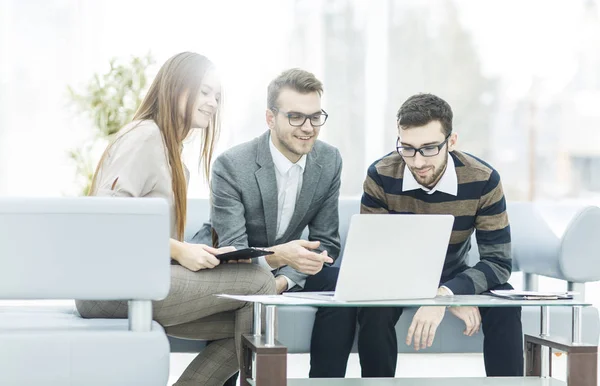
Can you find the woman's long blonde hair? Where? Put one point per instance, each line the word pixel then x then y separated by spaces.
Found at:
pixel 181 74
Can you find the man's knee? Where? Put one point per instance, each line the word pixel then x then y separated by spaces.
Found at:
pixel 504 313
pixel 502 317
pixel 325 280
pixel 381 316
pixel 509 312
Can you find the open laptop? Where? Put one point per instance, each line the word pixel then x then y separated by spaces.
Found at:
pixel 390 257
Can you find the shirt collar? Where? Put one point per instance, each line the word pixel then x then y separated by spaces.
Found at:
pixel 447 184
pixel 281 162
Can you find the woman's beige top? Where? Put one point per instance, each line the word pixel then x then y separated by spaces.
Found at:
pixel 137 165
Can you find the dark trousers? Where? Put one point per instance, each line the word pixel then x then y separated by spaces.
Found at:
pixel 334 330
pixel 502 342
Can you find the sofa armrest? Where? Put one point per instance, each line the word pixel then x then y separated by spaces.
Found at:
pixel 556 240
pixel 94 248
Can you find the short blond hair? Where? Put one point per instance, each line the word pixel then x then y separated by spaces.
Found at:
pixel 296 79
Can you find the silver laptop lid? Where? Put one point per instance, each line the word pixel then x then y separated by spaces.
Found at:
pixel 393 256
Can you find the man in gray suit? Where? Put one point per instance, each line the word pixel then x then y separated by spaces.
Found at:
pixel 267 191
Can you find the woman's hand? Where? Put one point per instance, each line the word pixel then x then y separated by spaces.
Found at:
pixel 198 256
pixel 230 249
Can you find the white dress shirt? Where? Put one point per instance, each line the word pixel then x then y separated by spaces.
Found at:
pixel 447 184
pixel 289 182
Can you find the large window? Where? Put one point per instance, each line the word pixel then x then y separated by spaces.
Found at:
pixel 586 174
pixel 524 98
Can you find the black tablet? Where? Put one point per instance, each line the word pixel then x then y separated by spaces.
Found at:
pixel 241 254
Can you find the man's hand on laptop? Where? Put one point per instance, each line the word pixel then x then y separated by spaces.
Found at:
pixel 298 255
pixel 471 316
pixel 424 325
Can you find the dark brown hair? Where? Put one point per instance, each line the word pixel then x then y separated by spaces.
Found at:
pixel 420 109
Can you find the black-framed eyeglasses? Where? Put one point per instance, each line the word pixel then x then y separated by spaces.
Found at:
pixel 426 151
pixel 298 119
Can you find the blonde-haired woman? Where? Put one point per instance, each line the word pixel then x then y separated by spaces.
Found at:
pixel 144 160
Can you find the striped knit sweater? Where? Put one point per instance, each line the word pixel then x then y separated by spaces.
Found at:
pixel 479 206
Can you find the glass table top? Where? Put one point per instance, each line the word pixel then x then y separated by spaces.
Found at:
pixel 293 300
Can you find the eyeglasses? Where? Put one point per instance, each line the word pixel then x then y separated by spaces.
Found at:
pixel 426 151
pixel 298 119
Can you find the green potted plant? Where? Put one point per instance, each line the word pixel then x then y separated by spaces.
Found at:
pixel 110 101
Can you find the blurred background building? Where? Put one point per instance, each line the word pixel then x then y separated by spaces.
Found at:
pixel 524 86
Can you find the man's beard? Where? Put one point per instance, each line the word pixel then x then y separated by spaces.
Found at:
pixel 430 181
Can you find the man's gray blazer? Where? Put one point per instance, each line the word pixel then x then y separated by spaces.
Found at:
pixel 244 200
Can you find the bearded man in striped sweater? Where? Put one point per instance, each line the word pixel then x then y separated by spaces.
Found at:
pixel 427 175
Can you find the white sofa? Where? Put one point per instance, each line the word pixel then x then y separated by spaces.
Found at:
pixel 107 248
pixel 85 248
